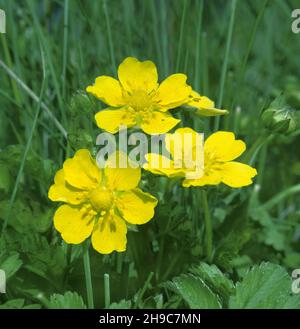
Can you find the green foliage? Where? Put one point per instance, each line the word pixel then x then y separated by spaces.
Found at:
pixel 194 292
pixel 69 300
pixel 18 304
pixel 265 286
pixel 123 304
pixel 214 278
pixel 256 230
pixel 10 262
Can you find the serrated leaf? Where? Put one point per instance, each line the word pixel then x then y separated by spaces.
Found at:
pixel 123 304
pixel 10 263
pixel 267 286
pixel 70 300
pixel 214 278
pixel 18 304
pixel 194 292
pixel 26 217
pixel 5 178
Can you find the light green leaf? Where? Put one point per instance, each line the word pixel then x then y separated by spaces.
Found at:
pixel 10 263
pixel 267 286
pixel 194 292
pixel 214 278
pixel 123 304
pixel 70 300
pixel 18 304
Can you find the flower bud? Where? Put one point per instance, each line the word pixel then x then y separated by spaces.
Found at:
pixel 283 120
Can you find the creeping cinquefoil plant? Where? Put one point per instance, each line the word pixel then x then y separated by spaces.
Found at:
pixel 149 155
pixel 100 201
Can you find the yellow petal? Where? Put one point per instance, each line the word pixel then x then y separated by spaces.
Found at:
pixel 136 75
pixel 236 174
pixel 108 90
pixel 173 92
pixel 110 235
pixel 214 178
pixel 64 192
pixel 81 171
pixel 111 120
pixel 204 105
pixel 223 146
pixel 183 142
pixel 136 206
pixel 161 165
pixel 158 123
pixel 74 225
pixel 121 173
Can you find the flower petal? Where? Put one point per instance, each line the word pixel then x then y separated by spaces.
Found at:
pixel 73 224
pixel 214 178
pixel 236 174
pixel 136 75
pixel 121 173
pixel 136 206
pixel 204 105
pixel 111 120
pixel 62 191
pixel 108 90
pixel 173 92
pixel 110 235
pixel 161 165
pixel 183 142
pixel 81 171
pixel 158 123
pixel 223 146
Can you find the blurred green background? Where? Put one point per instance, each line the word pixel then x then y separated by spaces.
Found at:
pixel 76 41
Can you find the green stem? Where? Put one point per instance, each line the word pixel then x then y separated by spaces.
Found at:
pixel 280 196
pixel 181 36
pixel 27 148
pixel 106 290
pixel 198 41
pixel 88 277
pixel 7 56
pixel 65 46
pixel 251 41
pixel 261 141
pixel 110 39
pixel 36 98
pixel 164 36
pixel 208 226
pixel 145 287
pixel 225 63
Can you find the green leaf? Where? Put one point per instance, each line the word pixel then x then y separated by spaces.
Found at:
pixel 13 304
pixel 214 278
pixel 5 178
pixel 194 292
pixel 70 300
pixel 123 304
pixel 27 217
pixel 232 235
pixel 18 304
pixel 10 263
pixel 267 286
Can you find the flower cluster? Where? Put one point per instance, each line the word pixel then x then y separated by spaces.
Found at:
pixel 100 202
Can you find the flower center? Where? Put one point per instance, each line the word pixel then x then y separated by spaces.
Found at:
pixel 140 101
pixel 101 199
pixel 211 163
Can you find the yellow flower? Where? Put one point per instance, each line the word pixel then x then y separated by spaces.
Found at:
pixel 204 105
pixel 136 99
pixel 220 149
pixel 99 202
pixel 182 147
